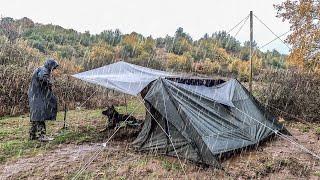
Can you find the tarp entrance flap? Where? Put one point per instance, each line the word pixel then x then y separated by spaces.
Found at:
pixel 123 77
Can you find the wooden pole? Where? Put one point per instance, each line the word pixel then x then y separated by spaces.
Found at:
pixel 251 51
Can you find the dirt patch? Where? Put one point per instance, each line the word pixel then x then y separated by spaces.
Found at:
pixel 48 164
pixel 291 164
pixel 127 133
pixel 276 159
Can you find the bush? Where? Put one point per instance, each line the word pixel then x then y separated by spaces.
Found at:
pixel 294 92
pixel 179 63
pixel 14 84
pixel 207 67
pixel 240 68
pixel 18 54
pixel 147 60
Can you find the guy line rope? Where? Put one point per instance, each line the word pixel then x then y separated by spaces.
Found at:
pixel 282 135
pixel 169 136
pixel 98 151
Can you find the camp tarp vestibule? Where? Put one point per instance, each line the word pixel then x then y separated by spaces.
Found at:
pixel 199 118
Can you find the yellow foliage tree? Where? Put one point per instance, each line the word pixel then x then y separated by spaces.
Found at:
pixel 180 63
pixel 304 16
pixel 241 68
pixel 100 54
pixel 210 67
pixel 132 45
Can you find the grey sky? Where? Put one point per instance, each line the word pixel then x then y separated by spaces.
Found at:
pixel 153 17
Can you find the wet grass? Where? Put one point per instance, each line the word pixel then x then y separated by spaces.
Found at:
pixel 276 165
pixel 169 165
pixel 132 105
pixel 317 131
pixel 317 173
pixel 82 126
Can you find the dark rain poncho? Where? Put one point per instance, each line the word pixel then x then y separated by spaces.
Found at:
pixel 42 101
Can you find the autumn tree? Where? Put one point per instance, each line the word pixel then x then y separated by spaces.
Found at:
pixel 181 42
pixel 304 16
pixel 227 42
pixel 179 62
pixel 100 54
pixel 131 45
pixel 8 28
pixel 245 51
pixel 111 37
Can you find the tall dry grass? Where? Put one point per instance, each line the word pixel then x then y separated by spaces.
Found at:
pixel 14 84
pixel 292 94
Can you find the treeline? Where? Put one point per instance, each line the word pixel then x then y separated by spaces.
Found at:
pixel 24 45
pixel 216 53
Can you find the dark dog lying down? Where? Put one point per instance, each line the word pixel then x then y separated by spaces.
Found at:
pixel 116 118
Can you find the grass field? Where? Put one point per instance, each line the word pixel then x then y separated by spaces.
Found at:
pixel 63 157
pixel 83 126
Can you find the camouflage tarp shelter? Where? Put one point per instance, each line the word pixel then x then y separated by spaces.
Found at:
pixel 199 118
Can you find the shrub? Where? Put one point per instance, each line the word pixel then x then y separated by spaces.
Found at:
pixel 100 54
pixel 179 63
pixel 147 60
pixel 18 54
pixel 207 67
pixel 318 131
pixel 240 68
pixel 14 84
pixel 295 93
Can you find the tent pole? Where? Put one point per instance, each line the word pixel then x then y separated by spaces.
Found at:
pixel 251 51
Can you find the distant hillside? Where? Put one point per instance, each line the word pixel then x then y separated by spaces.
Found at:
pixel 25 44
pixel 215 53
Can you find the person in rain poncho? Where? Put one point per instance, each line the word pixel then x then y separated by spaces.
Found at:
pixel 42 101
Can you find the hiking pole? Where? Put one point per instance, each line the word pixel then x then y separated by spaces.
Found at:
pixel 125 101
pixel 65 117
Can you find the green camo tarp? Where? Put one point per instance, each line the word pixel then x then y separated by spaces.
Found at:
pixel 203 122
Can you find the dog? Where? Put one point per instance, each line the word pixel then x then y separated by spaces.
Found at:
pixel 115 118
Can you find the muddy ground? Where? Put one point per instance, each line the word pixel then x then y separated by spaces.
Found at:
pixel 276 159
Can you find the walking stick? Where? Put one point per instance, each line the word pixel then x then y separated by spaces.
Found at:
pixel 65 117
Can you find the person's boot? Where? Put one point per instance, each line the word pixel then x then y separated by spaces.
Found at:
pixel 45 138
pixel 33 131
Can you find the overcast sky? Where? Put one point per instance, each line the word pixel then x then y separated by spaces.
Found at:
pixel 154 17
